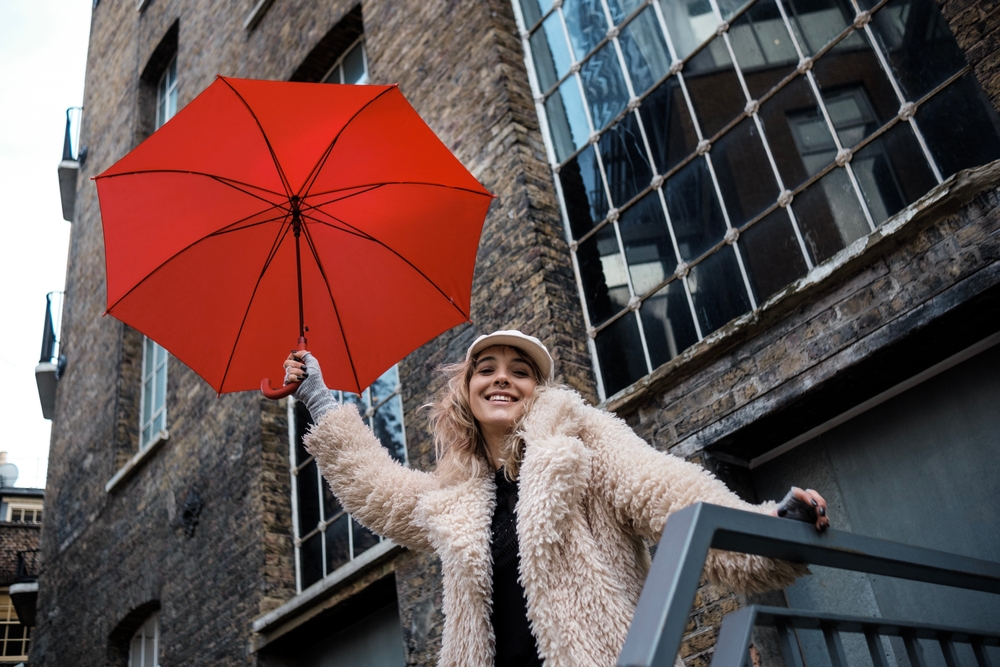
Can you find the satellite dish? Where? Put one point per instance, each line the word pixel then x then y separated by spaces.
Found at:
pixel 8 474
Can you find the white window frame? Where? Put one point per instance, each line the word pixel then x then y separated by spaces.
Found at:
pixel 166 94
pixel 161 434
pixel 8 618
pixel 24 506
pixel 336 73
pixel 148 632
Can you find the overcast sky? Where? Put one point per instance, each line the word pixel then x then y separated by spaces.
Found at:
pixel 43 51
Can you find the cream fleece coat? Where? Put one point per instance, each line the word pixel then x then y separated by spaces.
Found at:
pixel 591 494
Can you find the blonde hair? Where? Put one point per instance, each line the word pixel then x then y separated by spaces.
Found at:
pixel 458 440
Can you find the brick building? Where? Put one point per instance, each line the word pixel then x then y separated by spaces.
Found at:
pixel 20 523
pixel 766 234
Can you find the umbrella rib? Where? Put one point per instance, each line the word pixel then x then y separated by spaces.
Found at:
pixel 373 185
pixel 229 229
pixel 188 247
pixel 282 233
pixel 274 157
pixel 222 179
pixel 336 311
pixel 393 251
pixel 314 173
pixel 367 188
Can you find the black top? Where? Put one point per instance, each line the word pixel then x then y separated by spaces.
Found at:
pixel 515 645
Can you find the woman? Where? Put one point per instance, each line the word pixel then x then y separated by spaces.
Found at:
pixel 540 508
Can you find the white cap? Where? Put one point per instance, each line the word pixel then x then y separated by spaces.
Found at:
pixel 529 344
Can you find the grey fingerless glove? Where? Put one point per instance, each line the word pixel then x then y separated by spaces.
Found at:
pixel 313 392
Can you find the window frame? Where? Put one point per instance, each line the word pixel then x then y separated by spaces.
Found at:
pixel 166 94
pixel 140 635
pixel 36 508
pixel 296 468
pixel 154 413
pixel 8 620
pixel 567 67
pixel 337 67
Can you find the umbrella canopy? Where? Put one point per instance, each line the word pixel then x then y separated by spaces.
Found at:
pixel 264 208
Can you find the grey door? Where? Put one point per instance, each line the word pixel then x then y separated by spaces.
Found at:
pixel 374 641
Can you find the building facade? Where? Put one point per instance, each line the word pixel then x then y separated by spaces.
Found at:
pixel 764 233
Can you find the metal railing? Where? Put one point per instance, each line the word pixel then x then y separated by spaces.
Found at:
pixel 71 138
pixel 50 329
pixel 662 612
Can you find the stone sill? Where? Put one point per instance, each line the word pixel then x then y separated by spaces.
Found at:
pixel 309 602
pixel 126 470
pixel 948 197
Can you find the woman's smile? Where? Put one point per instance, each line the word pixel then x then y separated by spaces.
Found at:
pixel 501 381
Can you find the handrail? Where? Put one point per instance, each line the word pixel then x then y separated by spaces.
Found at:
pixel 661 614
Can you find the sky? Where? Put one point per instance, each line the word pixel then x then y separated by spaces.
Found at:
pixel 43 52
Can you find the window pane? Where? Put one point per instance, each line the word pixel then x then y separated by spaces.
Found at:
pixel 148 357
pixel 161 387
pixel 771 254
pixel 797 133
pixel 668 125
pixel 645 50
pixel 918 44
pixel 829 215
pixel 604 86
pixel 158 424
pixel 550 52
pixel 311 560
pixel 331 506
pixel 667 323
pixel 567 119
pixel 763 47
pixel 364 539
pixel 147 401
pixel 303 421
pixel 715 89
pixel 147 435
pixel 717 290
pixel 308 498
pixel 388 426
pixel 689 23
pixel 602 272
pixel 385 386
pixel 730 7
pixel 354 65
pixel 744 172
pixel 583 192
pixel 619 351
pixel 585 23
pixel 622 8
pixel 694 210
pixel 337 543
pixel 816 22
pixel 857 93
pixel 961 126
pixel 625 163
pixel 533 10
pixel 648 249
pixel 149 649
pixel 161 354
pixel 892 172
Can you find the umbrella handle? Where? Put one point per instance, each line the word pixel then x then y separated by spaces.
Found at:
pixel 281 392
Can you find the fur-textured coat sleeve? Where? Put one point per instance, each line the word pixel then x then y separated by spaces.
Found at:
pixel 646 486
pixel 370 484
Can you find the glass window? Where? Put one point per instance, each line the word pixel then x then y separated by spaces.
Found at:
pixel 166 94
pixel 326 537
pixel 153 404
pixel 352 67
pixel 701 172
pixel 144 650
pixel 15 638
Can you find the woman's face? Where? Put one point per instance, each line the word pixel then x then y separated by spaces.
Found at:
pixel 502 380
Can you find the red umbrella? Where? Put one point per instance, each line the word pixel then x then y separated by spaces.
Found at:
pixel 264 209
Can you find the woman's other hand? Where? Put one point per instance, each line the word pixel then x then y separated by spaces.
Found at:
pixel 804 505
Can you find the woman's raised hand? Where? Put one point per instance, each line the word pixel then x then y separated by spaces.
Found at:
pixel 804 505
pixel 295 366
pixel 300 366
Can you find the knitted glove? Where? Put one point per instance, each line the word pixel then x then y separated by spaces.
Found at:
pixel 313 392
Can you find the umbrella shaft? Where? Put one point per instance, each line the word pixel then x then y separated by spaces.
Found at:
pixel 297 230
